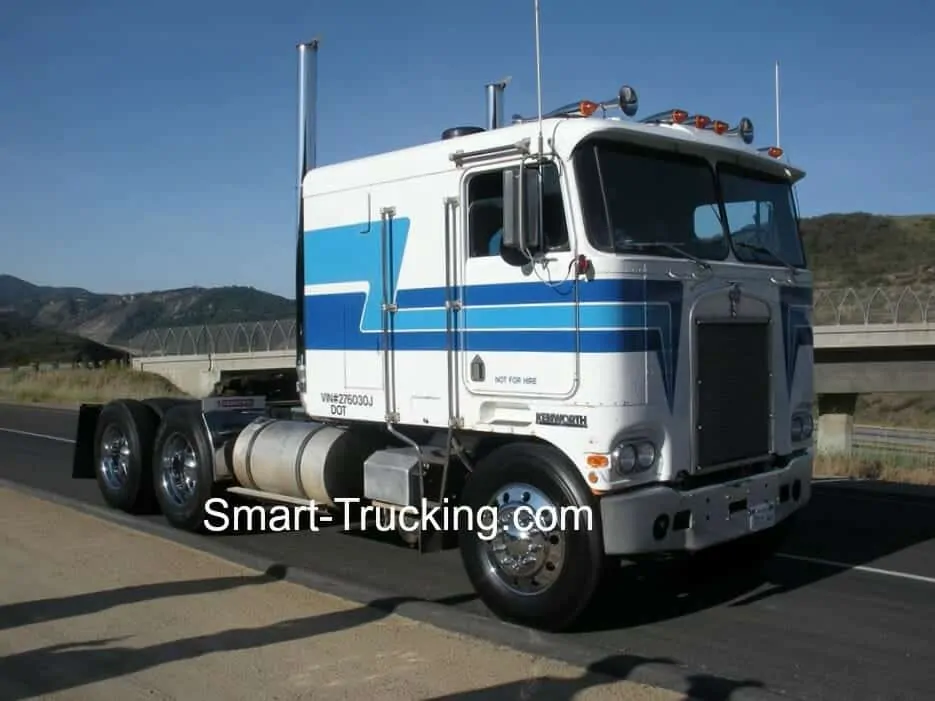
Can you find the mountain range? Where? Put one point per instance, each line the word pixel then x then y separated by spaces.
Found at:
pixel 116 319
pixel 856 249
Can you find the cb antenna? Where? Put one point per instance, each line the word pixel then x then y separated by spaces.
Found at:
pixel 538 77
pixel 776 80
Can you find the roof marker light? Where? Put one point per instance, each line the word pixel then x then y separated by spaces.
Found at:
pixel 701 121
pixel 720 127
pixel 774 152
pixel 679 116
pixel 587 107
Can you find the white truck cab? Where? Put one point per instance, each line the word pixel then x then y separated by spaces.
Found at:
pixel 602 319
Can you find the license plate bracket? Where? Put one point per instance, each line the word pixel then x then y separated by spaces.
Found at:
pixel 761 516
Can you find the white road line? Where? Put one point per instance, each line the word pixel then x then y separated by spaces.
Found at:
pixel 861 568
pixel 37 435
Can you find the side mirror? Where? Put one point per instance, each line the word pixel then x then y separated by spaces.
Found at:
pixel 521 225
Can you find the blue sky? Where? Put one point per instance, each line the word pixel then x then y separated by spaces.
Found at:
pixel 152 145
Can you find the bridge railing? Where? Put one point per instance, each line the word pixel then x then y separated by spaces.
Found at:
pixel 216 339
pixel 874 305
pixel 832 306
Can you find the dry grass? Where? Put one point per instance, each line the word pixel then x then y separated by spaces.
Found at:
pixel 70 387
pixel 901 410
pixel 905 468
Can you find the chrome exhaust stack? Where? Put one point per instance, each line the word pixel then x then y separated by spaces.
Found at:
pixel 307 156
pixel 495 103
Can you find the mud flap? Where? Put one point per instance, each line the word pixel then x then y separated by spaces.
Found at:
pixel 82 466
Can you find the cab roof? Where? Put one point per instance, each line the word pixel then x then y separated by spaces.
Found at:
pixel 561 135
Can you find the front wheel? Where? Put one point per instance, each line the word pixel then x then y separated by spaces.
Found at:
pixel 541 564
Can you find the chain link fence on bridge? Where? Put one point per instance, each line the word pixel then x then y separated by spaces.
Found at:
pixel 217 339
pixel 874 305
pixel 832 307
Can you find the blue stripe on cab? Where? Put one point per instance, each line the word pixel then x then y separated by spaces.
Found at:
pixel 615 315
pixel 352 254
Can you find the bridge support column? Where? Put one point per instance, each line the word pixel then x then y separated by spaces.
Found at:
pixel 836 422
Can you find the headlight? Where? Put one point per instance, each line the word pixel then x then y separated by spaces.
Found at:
pixel 808 426
pixel 801 427
pixel 624 457
pixel 645 455
pixel 630 457
pixel 796 428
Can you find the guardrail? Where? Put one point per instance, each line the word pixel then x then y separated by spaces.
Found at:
pixel 898 440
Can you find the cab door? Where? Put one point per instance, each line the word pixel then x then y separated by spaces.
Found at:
pixel 518 321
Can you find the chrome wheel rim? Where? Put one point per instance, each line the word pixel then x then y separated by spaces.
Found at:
pixel 526 556
pixel 115 458
pixel 179 469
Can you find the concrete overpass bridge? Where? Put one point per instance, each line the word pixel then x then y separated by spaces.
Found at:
pixel 867 340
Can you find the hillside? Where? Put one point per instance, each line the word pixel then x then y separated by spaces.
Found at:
pixel 23 343
pixel 857 250
pixel 114 319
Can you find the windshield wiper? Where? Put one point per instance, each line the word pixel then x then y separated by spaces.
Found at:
pixel 756 248
pixel 665 245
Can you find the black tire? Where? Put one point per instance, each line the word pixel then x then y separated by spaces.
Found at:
pixel 561 604
pixel 162 404
pixel 183 504
pixel 127 426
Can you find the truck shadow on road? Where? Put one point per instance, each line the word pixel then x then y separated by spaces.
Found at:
pixel 842 524
pixel 851 525
pixel 696 687
pixel 30 612
pixel 66 666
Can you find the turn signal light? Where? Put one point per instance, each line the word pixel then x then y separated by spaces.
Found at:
pixel 597 461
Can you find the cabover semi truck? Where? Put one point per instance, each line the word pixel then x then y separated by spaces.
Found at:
pixel 575 312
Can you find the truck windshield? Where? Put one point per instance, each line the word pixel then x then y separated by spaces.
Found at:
pixel 652 201
pixel 761 217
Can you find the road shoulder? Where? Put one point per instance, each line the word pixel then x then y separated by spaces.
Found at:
pixel 95 609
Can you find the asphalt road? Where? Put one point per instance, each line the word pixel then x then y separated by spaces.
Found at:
pixel 803 626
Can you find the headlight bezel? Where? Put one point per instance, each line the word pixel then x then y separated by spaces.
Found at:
pixel 635 456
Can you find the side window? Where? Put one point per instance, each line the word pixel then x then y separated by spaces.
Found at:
pixel 554 225
pixel 485 213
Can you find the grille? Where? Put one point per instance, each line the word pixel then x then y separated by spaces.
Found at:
pixel 732 421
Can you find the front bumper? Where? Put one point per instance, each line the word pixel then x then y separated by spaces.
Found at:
pixel 661 518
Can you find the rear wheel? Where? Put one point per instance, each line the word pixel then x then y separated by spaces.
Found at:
pixel 540 572
pixel 123 445
pixel 183 475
